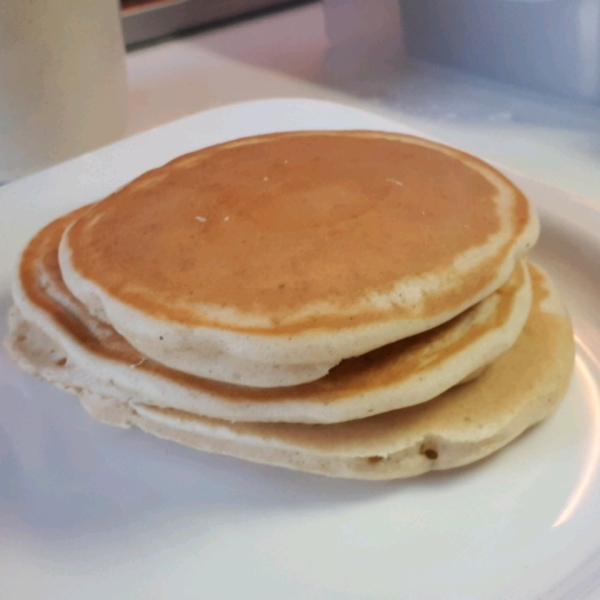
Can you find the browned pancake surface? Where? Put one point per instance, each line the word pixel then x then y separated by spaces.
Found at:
pixel 275 223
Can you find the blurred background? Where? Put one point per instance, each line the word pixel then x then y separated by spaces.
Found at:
pixel 513 81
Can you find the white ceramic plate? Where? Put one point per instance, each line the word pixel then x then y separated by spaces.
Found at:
pixel 89 511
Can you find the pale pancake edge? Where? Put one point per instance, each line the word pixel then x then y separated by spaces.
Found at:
pixel 521 388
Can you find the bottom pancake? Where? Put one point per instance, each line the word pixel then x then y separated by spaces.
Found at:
pixel 466 423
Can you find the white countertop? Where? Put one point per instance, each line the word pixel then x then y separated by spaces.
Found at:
pixel 284 55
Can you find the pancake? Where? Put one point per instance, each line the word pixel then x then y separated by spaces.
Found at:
pixel 401 374
pixel 522 387
pixel 267 260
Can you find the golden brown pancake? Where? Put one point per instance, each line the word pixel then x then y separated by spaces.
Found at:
pixel 273 258
pixel 401 374
pixel 523 386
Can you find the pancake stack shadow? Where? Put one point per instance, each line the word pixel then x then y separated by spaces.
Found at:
pixel 355 304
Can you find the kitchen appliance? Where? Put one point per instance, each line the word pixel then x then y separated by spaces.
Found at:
pixel 145 20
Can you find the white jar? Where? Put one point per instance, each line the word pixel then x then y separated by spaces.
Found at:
pixel 62 81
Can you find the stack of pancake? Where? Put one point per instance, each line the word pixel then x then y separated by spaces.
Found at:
pixel 355 304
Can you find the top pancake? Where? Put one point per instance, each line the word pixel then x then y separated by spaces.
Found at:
pixel 300 248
